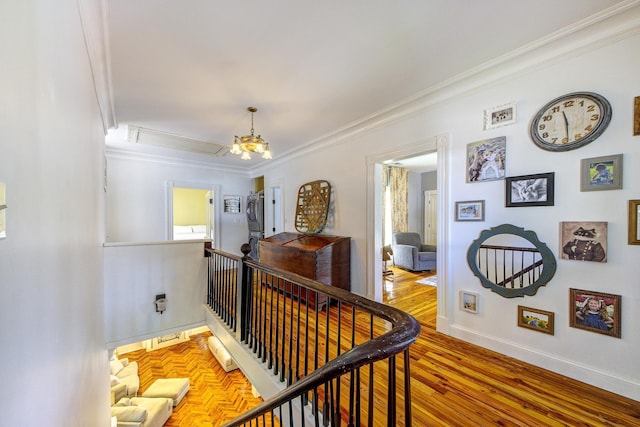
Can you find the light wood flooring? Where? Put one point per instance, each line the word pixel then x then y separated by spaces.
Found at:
pixel 454 383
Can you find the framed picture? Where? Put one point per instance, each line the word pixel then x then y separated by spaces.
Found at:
pixel 3 214
pixel 634 225
pixel 595 312
pixel 583 241
pixel 530 190
pixel 501 115
pixel 486 159
pixel 232 204
pixel 472 210
pixel 601 173
pixel 538 320
pixel 469 301
pixel 636 115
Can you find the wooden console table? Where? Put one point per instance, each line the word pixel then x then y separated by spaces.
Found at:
pixel 326 259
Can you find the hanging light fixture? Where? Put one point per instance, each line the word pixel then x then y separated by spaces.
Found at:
pixel 245 145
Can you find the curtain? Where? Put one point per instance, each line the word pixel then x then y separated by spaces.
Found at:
pixel 395 207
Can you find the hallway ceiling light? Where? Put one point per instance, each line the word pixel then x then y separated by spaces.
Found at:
pixel 245 145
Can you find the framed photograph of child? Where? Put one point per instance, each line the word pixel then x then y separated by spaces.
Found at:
pixel 538 320
pixel 595 311
pixel 601 173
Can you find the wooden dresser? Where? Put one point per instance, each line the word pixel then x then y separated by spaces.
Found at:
pixel 326 259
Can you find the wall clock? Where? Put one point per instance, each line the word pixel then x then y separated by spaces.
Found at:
pixel 570 121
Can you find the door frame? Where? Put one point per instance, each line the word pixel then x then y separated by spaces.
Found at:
pixel 439 143
pixel 214 188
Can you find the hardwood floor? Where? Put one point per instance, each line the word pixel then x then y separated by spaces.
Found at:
pixel 454 383
pixel 214 396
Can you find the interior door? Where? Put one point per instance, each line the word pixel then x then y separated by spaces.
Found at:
pixel 273 212
pixel 211 218
pixel 431 217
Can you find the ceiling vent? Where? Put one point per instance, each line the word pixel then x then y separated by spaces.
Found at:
pixel 156 138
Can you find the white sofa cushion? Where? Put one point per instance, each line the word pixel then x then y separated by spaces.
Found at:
pixel 159 409
pixel 125 401
pixel 115 366
pixel 130 368
pixel 221 354
pixel 129 382
pixel 132 413
pixel 173 388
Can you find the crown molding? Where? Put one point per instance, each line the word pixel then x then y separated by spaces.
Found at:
pixel 609 26
pixel 127 154
pixel 93 19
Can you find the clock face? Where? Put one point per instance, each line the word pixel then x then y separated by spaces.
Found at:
pixel 570 121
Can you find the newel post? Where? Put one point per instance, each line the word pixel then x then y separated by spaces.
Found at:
pixel 245 292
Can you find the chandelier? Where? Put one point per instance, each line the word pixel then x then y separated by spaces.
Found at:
pixel 245 145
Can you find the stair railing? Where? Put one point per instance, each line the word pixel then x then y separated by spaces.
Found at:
pixel 344 359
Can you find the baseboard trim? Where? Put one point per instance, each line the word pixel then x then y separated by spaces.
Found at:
pixel 569 368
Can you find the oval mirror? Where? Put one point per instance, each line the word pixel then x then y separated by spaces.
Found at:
pixel 511 261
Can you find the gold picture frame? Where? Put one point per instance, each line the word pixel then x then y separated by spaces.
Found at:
pixel 636 115
pixel 535 319
pixel 634 225
pixel 595 311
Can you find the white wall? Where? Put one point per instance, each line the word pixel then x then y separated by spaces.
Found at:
pixel 136 198
pixel 54 363
pixel 605 66
pixel 135 273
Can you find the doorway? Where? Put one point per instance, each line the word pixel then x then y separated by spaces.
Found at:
pixel 375 264
pixel 191 211
pixel 274 210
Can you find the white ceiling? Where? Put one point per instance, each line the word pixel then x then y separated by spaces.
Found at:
pixel 191 68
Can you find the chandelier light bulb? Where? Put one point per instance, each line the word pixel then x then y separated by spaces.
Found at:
pixel 266 153
pixel 244 145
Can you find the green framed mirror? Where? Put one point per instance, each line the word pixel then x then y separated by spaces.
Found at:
pixel 511 261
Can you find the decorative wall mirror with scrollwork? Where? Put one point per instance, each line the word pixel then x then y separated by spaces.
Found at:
pixel 511 261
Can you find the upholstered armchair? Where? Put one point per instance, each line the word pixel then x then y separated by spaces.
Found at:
pixel 411 254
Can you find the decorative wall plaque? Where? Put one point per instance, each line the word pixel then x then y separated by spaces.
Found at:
pixel 312 208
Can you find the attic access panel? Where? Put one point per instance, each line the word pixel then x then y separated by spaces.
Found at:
pixel 312 208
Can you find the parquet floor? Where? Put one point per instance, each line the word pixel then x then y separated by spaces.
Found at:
pixel 214 396
pixel 454 383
